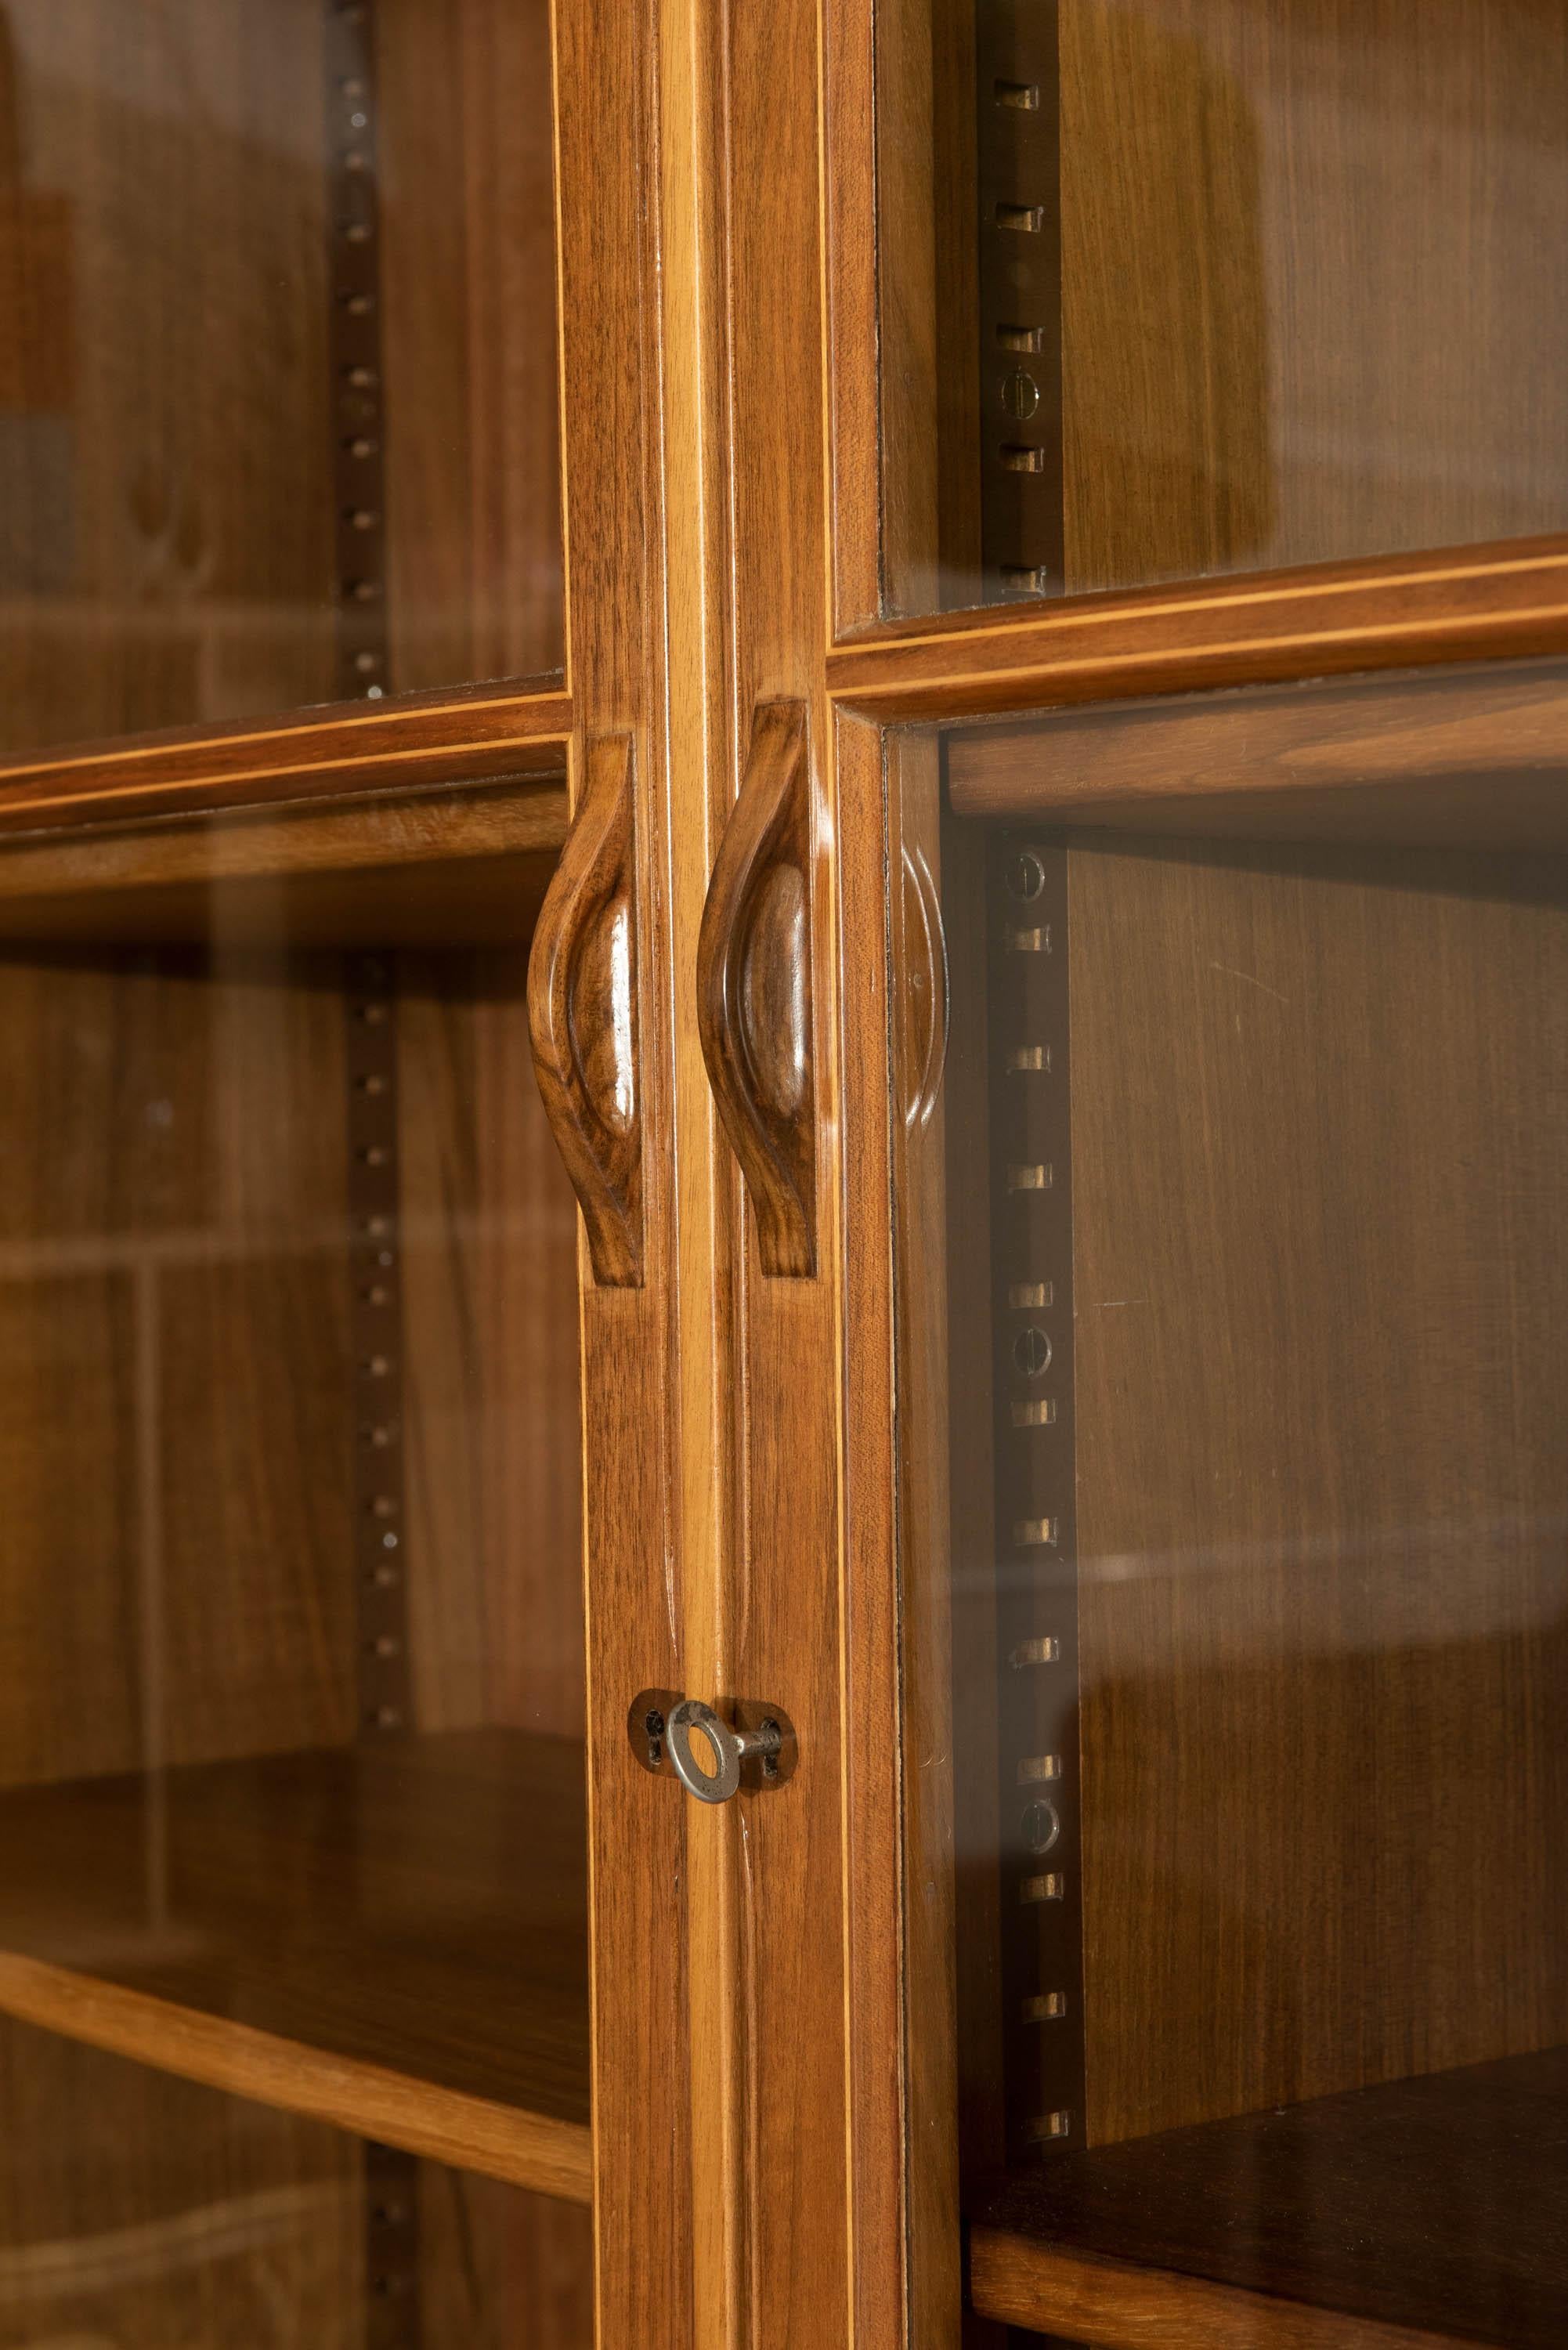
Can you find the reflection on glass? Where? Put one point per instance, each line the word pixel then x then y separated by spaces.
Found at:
pixel 1218 286
pixel 277 356
pixel 138 2211
pixel 291 1675
pixel 1253 1616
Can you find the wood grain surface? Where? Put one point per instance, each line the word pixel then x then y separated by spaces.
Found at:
pixel 583 1013
pixel 470 342
pixel 654 2123
pixel 437 738
pixel 1258 354
pixel 142 2210
pixel 1121 2306
pixel 391 1936
pixel 754 989
pixel 1507 600
pixel 1318 1100
pixel 492 1389
pixel 169 553
pixel 1269 355
pixel 821 2227
pixel 1477 756
pixel 1424 2211
pixel 501 2269
pixel 177 1520
pixel 379 868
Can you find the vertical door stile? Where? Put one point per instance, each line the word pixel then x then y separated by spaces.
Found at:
pixel 636 1545
pixel 804 1592
pixel 694 420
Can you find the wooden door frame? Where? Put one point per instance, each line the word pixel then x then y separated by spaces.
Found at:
pixel 810 1609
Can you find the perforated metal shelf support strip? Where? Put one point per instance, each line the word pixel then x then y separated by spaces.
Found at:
pixel 1019 263
pixel 393 2318
pixel 356 417
pixel 1042 1966
pixel 376 1328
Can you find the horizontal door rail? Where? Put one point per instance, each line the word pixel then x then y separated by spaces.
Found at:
pixel 1477 603
pixel 334 751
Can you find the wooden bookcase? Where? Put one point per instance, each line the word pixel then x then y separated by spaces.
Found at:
pixel 782 918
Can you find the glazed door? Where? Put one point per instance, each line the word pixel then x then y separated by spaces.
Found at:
pixel 1129 990
pixel 341 1944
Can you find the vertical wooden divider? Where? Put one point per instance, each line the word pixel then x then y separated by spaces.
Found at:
pixel 608 232
pixel 797 2045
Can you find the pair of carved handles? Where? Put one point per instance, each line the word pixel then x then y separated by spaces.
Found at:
pixel 754 1001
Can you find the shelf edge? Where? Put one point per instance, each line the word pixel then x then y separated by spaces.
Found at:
pixel 524 2149
pixel 1116 2306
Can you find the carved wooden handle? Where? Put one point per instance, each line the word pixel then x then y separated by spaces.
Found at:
pixel 753 988
pixel 582 1015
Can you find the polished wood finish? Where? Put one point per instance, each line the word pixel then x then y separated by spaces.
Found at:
pixel 804 1601
pixel 1319 1474
pixel 1464 604
pixel 754 989
pixel 391 1936
pixel 940 1105
pixel 583 1014
pixel 1125 2307
pixel 1427 2210
pixel 655 2107
pixel 1474 755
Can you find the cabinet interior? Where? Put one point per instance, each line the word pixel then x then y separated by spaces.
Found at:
pixel 1160 302
pixel 291 1785
pixel 1278 1200
pixel 139 2209
pixel 279 390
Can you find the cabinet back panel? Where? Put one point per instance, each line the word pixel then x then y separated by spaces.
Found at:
pixel 1320 1105
pixel 168 548
pixel 175 1365
pixel 468 220
pixel 177 1546
pixel 181 453
pixel 1311 280
pixel 492 1394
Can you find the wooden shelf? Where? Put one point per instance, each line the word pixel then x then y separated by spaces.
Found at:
pixel 1423 2212
pixel 391 1936
pixel 1473 758
pixel 463 865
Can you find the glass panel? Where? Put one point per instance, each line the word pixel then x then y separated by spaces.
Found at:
pixel 291 1616
pixel 139 2210
pixel 1178 287
pixel 277 356
pixel 1236 1576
